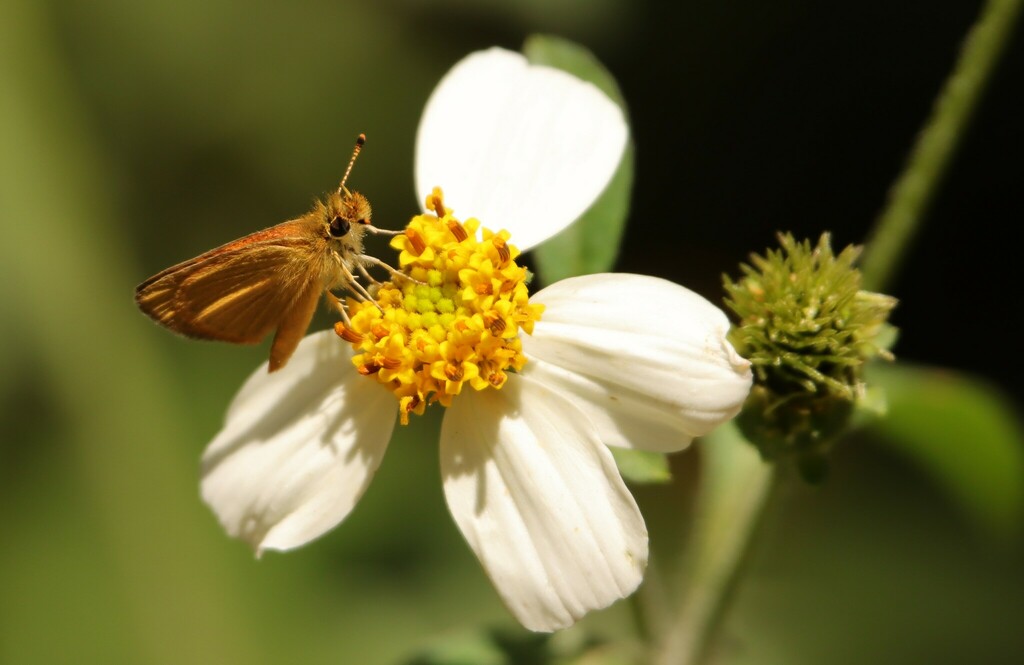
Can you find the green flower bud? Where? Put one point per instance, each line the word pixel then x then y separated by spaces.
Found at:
pixel 808 329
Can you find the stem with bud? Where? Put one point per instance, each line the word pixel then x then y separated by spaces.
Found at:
pixel 736 485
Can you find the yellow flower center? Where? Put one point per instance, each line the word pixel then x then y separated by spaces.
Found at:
pixel 455 321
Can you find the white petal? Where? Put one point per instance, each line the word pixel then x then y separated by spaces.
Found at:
pixel 646 359
pixel 520 147
pixel 539 500
pixel 298 447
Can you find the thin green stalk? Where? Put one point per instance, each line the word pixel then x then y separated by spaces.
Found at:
pixel 735 488
pixel 650 606
pixel 735 485
pixel 916 186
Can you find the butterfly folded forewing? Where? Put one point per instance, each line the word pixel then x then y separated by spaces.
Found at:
pixel 241 291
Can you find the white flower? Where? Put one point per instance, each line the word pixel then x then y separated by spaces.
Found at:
pixel 622 360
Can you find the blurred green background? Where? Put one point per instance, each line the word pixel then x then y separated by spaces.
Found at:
pixel 135 135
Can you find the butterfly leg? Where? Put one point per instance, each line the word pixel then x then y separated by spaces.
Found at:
pixel 365 273
pixel 355 287
pixel 338 305
pixel 397 274
pixel 384 232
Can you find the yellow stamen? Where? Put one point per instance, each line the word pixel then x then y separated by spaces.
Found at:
pixel 455 323
pixel 496 324
pixel 418 244
pixel 457 230
pixel 503 251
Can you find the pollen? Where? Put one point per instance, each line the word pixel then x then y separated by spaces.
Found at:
pixel 455 322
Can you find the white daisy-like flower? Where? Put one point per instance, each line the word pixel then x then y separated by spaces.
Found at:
pixel 535 387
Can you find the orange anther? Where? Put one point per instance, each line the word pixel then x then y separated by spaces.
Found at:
pixel 503 250
pixel 453 372
pixel 416 240
pixel 347 334
pixel 457 230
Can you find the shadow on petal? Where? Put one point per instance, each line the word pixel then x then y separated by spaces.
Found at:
pixel 540 501
pixel 320 386
pixel 299 447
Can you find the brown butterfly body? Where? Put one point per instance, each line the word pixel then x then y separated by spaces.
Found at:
pixel 268 281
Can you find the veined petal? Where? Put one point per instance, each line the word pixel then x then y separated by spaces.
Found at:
pixel 298 448
pixel 521 147
pixel 646 359
pixel 540 501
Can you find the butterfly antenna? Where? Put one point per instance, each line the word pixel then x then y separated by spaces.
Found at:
pixel 360 141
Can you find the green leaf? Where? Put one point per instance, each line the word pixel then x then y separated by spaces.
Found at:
pixel 870 407
pixel 963 432
pixel 569 56
pixel 591 243
pixel 641 466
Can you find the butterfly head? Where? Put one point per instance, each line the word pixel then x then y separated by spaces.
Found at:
pixel 345 210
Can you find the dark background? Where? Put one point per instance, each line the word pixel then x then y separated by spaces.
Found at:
pixel 158 130
pixel 749 118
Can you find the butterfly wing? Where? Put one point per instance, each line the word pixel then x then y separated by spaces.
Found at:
pixel 241 291
pixel 293 326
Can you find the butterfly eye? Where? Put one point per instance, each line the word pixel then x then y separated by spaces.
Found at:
pixel 338 227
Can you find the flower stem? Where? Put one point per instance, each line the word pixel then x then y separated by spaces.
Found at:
pixel 649 604
pixel 915 187
pixel 735 488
